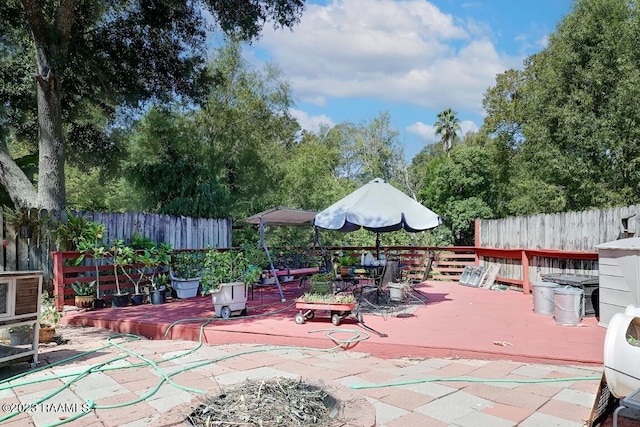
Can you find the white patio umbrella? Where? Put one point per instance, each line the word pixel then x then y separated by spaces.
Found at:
pixel 378 207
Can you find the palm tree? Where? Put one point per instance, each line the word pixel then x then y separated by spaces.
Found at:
pixel 447 126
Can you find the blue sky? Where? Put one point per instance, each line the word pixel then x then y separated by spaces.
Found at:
pixel 350 60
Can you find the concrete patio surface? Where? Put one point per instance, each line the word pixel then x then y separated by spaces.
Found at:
pixel 121 383
pixel 468 357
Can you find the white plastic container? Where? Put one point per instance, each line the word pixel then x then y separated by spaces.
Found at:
pixel 230 299
pixel 396 291
pixel 185 288
pixel 622 358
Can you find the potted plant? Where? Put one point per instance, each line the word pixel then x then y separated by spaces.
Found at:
pixel 346 263
pixel 225 276
pixel 186 272
pixel 49 317
pixel 85 292
pixel 159 288
pixel 135 266
pixel 322 283
pixel 157 258
pixel 258 258
pixel 25 222
pixel 90 243
pixel 119 299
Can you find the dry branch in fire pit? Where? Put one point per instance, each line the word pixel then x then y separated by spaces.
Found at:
pixel 268 402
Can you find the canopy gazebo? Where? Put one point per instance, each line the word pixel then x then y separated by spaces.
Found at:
pixel 281 216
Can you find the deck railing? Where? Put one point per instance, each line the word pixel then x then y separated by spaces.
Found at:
pixel 518 267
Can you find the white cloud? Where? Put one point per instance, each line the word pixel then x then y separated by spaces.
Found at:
pixel 311 123
pixel 427 133
pixel 393 51
pixel 467 126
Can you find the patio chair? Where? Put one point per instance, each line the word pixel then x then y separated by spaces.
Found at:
pixel 389 273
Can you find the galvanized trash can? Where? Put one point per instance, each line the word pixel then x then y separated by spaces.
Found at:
pixel 543 297
pixel 569 305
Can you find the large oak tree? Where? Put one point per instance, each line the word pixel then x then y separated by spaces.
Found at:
pixel 69 67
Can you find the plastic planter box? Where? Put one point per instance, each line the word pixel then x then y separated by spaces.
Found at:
pixel 186 288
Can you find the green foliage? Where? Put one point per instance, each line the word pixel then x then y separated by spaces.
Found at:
pixel 460 189
pixel 322 298
pixel 187 264
pixel 119 254
pixel 91 244
pixel 348 260
pixel 256 256
pixel 447 126
pixel 563 133
pixel 166 167
pixel 77 232
pixel 461 215
pixel 84 288
pixel 227 266
pixel 26 222
pixel 85 189
pixel 159 48
pixel 140 242
pixel 49 314
pixel 141 265
pixel 286 256
pixel 161 280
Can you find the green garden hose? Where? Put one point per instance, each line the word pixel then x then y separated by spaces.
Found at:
pixel 119 341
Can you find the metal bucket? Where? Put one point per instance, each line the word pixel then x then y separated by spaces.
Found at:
pixel 543 297
pixel 569 305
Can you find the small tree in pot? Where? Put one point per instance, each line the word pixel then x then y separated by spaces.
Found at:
pixel 160 257
pixel 186 272
pixel 226 275
pixel 133 265
pixel 119 299
pixel 90 243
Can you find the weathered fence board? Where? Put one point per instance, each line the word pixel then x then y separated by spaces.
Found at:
pixel 572 231
pixel 567 231
pixel 180 232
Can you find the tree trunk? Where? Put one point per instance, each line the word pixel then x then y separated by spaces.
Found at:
pixel 12 178
pixel 51 185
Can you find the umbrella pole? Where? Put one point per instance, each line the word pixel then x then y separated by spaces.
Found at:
pixel 323 252
pixel 377 245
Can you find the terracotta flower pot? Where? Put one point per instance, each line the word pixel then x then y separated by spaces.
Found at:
pixel 46 334
pixel 84 301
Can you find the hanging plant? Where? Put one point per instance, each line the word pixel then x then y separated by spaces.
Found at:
pixel 25 222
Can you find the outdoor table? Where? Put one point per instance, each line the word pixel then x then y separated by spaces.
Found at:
pixel 367 271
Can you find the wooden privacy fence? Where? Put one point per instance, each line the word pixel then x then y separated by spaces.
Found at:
pixel 529 247
pixel 524 248
pixel 179 231
pixel 570 231
pixel 17 253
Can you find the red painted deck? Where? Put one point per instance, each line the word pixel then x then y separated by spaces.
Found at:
pixel 457 321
